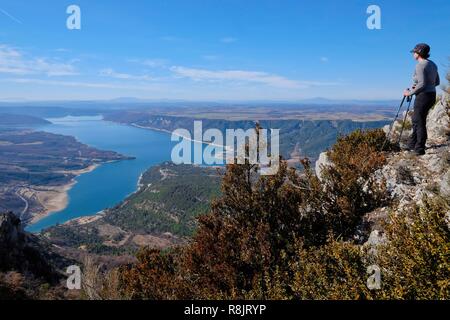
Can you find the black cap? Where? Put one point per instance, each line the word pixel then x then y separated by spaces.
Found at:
pixel 422 49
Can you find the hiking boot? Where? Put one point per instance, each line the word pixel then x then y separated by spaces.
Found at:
pixel 419 152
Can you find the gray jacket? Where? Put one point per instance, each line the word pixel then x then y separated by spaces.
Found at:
pixel 426 77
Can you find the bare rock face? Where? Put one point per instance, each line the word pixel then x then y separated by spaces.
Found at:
pixel 12 240
pixel 22 252
pixel 10 231
pixel 438 123
pixel 444 184
pixel 410 178
pixel 322 163
pixel 376 238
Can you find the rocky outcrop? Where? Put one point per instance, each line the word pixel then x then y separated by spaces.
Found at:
pixel 444 184
pixel 438 124
pixel 410 178
pixel 322 163
pixel 12 241
pixel 11 232
pixel 396 130
pixel 438 128
pixel 22 252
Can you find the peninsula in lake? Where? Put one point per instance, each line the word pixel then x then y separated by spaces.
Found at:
pixel 38 168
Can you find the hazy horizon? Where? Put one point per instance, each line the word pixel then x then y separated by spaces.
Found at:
pixel 131 100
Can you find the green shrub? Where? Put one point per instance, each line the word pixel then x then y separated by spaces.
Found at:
pixel 415 263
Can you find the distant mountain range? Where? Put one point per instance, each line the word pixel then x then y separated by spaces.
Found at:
pixel 133 100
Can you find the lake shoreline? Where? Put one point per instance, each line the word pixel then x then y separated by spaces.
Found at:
pixel 104 188
pixel 56 199
pixel 179 135
pixel 56 202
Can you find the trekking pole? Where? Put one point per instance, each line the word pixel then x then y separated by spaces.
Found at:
pixel 392 124
pixel 409 99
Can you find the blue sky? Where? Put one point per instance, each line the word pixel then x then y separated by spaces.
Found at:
pixel 215 49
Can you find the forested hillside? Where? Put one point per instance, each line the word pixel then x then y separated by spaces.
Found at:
pixel 161 213
pixel 20 120
pixel 305 137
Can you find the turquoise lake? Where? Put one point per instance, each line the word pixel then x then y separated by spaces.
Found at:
pixel 112 182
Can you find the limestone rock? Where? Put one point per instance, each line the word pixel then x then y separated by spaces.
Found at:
pixel 409 179
pixel 376 238
pixel 22 252
pixel 10 231
pixel 438 123
pixel 322 163
pixel 444 184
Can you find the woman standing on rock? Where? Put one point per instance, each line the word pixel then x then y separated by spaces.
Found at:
pixel 425 81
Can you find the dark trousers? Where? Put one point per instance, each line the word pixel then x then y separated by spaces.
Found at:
pixel 424 102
